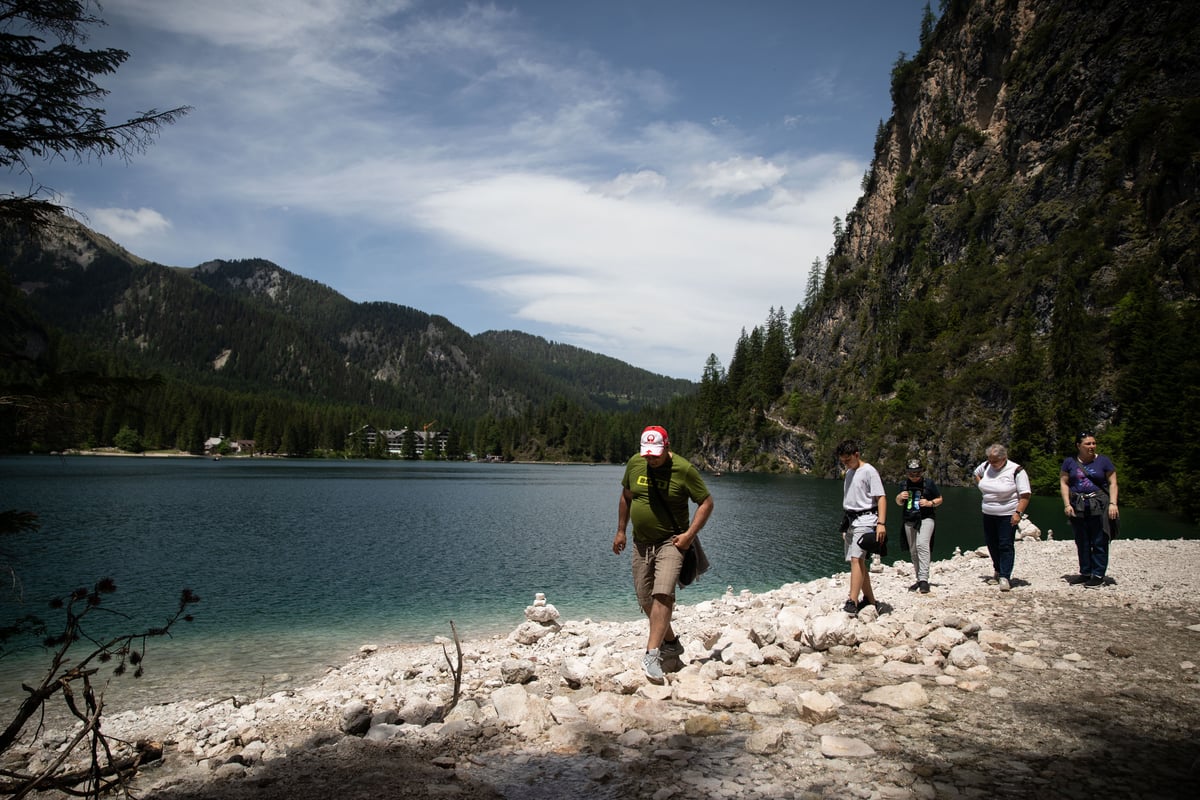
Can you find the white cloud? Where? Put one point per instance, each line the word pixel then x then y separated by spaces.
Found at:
pixel 127 225
pixel 254 23
pixel 648 276
pixel 627 183
pixel 738 176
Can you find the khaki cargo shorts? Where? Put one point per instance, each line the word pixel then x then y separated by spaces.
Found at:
pixel 655 571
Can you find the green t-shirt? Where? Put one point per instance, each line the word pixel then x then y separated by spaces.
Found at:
pixel 677 481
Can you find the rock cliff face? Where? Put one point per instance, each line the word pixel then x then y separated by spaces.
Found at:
pixel 1034 184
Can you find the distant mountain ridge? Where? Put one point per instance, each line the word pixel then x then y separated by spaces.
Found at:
pixel 252 325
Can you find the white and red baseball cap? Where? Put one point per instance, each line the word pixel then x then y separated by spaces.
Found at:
pixel 654 441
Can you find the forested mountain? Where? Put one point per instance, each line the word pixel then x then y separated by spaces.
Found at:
pixel 1021 266
pixel 608 382
pixel 251 328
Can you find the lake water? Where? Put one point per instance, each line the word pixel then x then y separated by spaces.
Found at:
pixel 298 563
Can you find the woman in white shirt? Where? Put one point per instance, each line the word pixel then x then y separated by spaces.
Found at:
pixel 1005 488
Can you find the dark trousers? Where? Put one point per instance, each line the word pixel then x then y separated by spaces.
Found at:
pixel 1092 543
pixel 999 536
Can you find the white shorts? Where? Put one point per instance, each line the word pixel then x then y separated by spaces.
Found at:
pixel 851 536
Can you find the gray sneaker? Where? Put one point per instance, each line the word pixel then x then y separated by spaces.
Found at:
pixel 1004 585
pixel 671 649
pixel 652 666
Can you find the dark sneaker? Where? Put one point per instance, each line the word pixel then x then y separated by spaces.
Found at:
pixel 915 586
pixel 850 608
pixel 652 666
pixel 671 649
pixel 864 603
pixel 1094 582
pixel 1075 580
pixel 924 587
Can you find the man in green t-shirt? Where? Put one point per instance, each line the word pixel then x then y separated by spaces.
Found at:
pixel 654 494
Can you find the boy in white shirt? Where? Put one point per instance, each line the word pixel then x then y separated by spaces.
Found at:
pixel 864 507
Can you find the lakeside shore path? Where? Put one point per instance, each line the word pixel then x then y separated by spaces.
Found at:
pixel 1050 690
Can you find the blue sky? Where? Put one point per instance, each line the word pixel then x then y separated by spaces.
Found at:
pixel 640 179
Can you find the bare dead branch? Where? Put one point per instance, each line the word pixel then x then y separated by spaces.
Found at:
pixel 105 769
pixel 456 670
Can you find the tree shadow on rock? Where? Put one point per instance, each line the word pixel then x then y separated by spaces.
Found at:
pixel 351 769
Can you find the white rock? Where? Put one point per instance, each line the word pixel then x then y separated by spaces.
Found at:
pixel 693 688
pixel 791 622
pixel 517 670
pixel 530 632
pixel 902 696
pixel 383 731
pixel 229 770
pixel 605 712
pixel 845 747
pixel 830 630
pixel 812 663
pixel 944 639
pixel 1027 661
pixel 253 752
pixel 575 671
pixel 543 613
pixel 966 655
pixel 815 707
pixel 902 669
pixel 995 641
pixel 1027 530
pixel 418 710
pixel 633 738
pixel 766 741
pixel 745 652
pixel 511 704
pixel 774 654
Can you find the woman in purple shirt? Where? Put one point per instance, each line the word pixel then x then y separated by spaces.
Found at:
pixel 1088 483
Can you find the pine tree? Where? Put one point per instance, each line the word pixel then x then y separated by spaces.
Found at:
pixel 48 100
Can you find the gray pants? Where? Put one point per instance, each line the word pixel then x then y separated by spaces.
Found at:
pixel 919 534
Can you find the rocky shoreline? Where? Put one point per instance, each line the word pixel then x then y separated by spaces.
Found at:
pixel 1050 690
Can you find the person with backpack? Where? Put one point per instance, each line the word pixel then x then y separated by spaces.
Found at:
pixel 1088 483
pixel 1004 485
pixel 919 497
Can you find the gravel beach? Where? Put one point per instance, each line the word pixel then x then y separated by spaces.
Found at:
pixel 1050 690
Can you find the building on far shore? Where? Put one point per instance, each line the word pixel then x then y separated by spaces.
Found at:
pixel 219 445
pixel 408 442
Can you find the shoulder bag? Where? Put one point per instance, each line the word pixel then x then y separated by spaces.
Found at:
pixel 695 563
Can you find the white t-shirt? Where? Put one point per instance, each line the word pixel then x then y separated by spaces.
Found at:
pixel 1001 488
pixel 862 489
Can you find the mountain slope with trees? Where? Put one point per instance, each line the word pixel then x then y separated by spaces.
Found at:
pixel 1022 265
pixel 228 332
